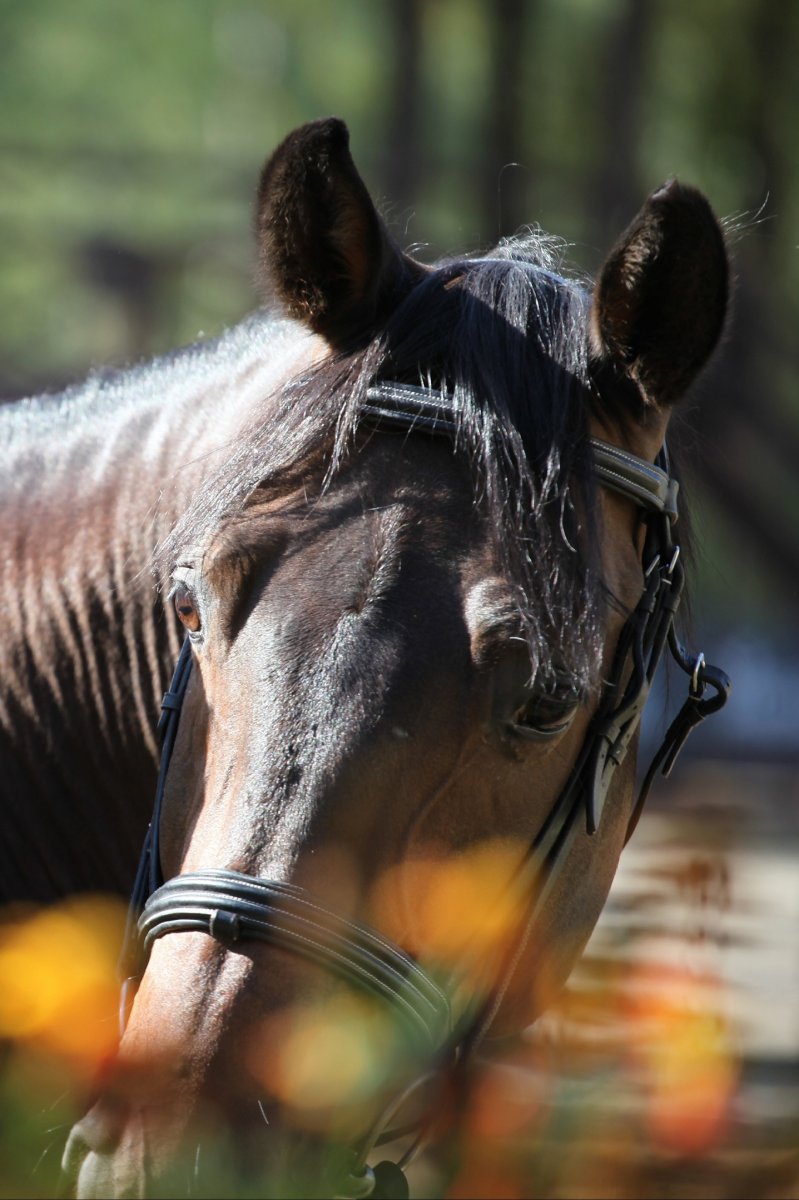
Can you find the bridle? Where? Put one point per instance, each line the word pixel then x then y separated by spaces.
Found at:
pixel 232 907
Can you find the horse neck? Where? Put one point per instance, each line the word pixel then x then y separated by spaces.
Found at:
pixel 95 480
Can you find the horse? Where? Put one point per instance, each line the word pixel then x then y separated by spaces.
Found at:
pixel 412 530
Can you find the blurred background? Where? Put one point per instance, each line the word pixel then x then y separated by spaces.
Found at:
pixel 131 137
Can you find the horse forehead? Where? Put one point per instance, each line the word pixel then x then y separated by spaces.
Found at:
pixel 401 559
pixel 397 497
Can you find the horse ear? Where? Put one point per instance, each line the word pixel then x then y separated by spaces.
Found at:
pixel 325 253
pixel 661 297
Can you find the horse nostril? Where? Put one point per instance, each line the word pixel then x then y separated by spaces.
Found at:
pixel 73 1158
pixel 87 1154
pixel 99 1132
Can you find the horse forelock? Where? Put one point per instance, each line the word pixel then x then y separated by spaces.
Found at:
pixel 505 337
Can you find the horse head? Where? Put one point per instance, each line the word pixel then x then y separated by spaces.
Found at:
pixel 417 597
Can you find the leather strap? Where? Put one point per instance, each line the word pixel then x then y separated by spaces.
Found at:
pixel 233 907
pixel 410 408
pixel 647 484
pixel 148 873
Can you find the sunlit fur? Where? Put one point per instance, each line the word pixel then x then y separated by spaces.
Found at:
pixel 92 479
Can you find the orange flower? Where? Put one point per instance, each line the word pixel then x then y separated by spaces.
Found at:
pixel 58 985
pixel 683 1045
pixel 456 914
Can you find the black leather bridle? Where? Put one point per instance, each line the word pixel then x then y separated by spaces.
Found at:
pixel 232 907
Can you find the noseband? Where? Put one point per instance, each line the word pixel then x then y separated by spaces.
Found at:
pixel 232 907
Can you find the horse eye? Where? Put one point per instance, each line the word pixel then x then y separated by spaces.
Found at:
pixel 186 607
pixel 544 716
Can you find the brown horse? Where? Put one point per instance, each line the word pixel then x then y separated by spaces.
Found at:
pixel 418 630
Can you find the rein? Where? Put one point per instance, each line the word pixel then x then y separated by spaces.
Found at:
pixel 231 907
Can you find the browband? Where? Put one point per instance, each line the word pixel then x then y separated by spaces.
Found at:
pixel 410 408
pixel 648 484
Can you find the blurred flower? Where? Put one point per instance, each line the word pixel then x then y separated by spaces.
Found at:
pixel 682 1045
pixel 458 914
pixel 58 985
pixel 498 1181
pixel 327 1061
pixel 506 1102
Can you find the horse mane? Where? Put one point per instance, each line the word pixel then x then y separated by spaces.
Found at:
pixel 105 391
pixel 505 337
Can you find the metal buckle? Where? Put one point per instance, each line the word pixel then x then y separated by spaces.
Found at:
pixel 675 556
pixel 697 686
